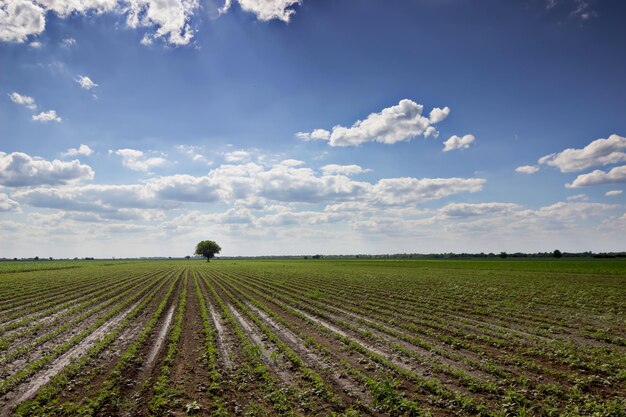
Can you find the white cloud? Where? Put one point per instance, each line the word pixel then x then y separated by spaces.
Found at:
pixel 115 201
pixel 469 210
pixel 573 211
pixel 578 197
pixel 146 40
pixel 95 198
pixel 455 142
pixel 317 134
pixel 293 183
pixel 334 169
pixel 64 8
pixel 400 191
pixel 438 115
pixel 6 204
pixel 138 161
pixel 81 150
pixel 265 9
pixel 47 116
pixel 67 42
pixel 291 162
pixel 237 156
pixel 193 153
pixel 171 19
pixel 401 122
pixel 85 82
pixel 249 185
pixel 613 193
pixel 298 218
pixel 282 182
pixel 488 226
pixel 616 175
pixel 527 169
pixel 25 101
pixel 598 153
pixel 193 218
pixel 185 188
pixel 18 169
pixel 20 19
pixel 35 44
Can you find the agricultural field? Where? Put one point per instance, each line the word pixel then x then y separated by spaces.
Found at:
pixel 313 338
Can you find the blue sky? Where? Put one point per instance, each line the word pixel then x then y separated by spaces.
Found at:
pixel 136 128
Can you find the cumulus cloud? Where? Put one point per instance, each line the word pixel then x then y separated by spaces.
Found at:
pixel 101 199
pixel 399 191
pixel 343 169
pixel 297 218
pixel 171 19
pixel 598 153
pixel 527 169
pixel 193 153
pixel 613 193
pixel 184 188
pixel 616 175
pixel 6 204
pixel 25 101
pixel 292 162
pixel 455 142
pixel 81 150
pixel 401 122
pixel 20 19
pixel 573 211
pixel 85 82
pixel 482 222
pixel 265 9
pixel 194 218
pixel 138 161
pixel 168 20
pixel 282 182
pixel 47 116
pixel 18 169
pixel 291 183
pixel 237 156
pixel 117 201
pixel 438 115
pixel 468 210
pixel 249 185
pixel 317 134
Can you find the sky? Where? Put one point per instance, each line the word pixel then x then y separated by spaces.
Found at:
pixel 294 127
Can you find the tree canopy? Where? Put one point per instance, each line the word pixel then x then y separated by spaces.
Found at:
pixel 208 249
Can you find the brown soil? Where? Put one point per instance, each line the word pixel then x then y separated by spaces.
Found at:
pixel 28 389
pixel 189 372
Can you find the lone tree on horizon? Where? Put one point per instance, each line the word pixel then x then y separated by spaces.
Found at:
pixel 208 249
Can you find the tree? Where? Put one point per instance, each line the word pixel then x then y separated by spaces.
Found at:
pixel 557 253
pixel 503 255
pixel 208 249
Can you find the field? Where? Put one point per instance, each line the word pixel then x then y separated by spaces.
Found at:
pixel 313 337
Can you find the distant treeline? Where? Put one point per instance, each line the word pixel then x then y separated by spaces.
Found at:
pixel 451 255
pixel 554 254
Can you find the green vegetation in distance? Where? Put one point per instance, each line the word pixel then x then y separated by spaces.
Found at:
pixel 208 249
